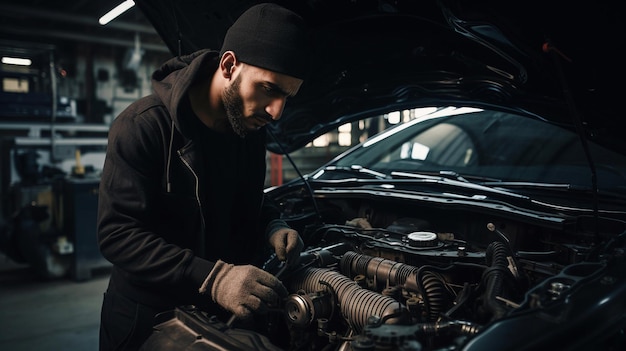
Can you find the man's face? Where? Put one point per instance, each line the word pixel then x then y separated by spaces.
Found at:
pixel 256 97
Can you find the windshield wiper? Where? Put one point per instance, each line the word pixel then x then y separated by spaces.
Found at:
pixel 458 181
pixel 521 185
pixel 466 178
pixel 561 187
pixel 357 169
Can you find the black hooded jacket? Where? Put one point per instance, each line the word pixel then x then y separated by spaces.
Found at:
pixel 162 219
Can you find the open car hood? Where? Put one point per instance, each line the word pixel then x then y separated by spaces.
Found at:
pixel 560 63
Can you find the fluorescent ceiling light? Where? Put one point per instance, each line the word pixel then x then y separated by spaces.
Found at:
pixel 118 10
pixel 16 61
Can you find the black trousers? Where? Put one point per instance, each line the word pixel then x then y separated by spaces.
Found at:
pixel 124 324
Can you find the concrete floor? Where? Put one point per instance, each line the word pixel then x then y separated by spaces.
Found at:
pixel 48 315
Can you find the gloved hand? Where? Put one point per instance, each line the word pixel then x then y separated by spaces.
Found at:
pixel 244 289
pixel 287 244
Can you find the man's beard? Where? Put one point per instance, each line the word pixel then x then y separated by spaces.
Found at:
pixel 233 104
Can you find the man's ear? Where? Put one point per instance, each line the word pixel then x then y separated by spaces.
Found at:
pixel 227 64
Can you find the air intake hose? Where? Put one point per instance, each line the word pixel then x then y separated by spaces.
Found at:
pixel 356 303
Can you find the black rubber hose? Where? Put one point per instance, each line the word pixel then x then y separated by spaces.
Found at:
pixel 435 294
pixel 494 278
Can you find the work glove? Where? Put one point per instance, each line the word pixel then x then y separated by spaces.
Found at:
pixel 243 289
pixel 287 244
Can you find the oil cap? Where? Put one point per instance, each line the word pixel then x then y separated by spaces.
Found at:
pixel 422 239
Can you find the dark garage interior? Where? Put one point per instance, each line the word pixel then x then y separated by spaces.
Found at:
pixel 457 170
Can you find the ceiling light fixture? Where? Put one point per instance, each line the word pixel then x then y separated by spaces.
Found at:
pixel 16 61
pixel 118 10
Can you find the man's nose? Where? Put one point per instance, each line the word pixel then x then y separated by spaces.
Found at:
pixel 275 108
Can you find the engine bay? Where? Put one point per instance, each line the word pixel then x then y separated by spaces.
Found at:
pixel 405 275
pixel 402 275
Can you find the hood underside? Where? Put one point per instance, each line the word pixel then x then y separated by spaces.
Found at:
pixel 561 63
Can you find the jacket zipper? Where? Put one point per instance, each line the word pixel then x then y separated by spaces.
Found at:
pixel 197 193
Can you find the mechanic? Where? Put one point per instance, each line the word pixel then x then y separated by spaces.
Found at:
pixel 182 214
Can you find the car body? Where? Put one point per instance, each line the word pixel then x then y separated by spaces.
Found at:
pixel 493 218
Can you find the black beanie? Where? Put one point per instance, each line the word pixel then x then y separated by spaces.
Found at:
pixel 271 37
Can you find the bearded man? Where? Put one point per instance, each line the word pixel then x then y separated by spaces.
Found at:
pixel 182 215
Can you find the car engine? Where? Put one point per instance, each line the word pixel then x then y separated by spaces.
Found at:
pixel 410 275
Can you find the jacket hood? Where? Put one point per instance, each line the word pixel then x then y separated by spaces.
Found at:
pixel 172 80
pixel 556 61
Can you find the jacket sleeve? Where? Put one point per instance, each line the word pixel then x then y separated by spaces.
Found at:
pixel 129 187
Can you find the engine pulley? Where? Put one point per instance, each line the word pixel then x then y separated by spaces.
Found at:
pixel 302 309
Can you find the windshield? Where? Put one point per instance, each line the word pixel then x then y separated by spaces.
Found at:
pixel 488 145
